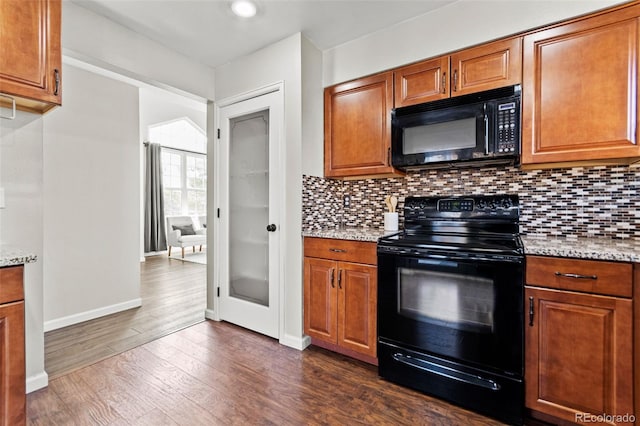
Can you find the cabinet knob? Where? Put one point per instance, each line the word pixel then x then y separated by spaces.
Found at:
pixel 56 76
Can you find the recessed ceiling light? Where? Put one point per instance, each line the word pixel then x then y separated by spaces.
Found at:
pixel 244 8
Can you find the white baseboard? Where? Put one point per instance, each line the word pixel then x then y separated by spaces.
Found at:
pixel 209 314
pixel 37 381
pixel 92 314
pixel 299 343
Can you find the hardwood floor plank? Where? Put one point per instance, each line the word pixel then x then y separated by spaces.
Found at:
pixel 85 405
pixel 122 399
pixel 218 374
pixel 154 418
pixel 173 297
pixel 211 373
pixel 46 408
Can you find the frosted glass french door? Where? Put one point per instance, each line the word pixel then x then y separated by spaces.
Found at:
pixel 249 251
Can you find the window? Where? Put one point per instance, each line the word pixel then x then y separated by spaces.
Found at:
pixel 184 166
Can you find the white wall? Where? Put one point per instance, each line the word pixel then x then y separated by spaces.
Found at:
pixel 281 61
pixel 21 224
pixel 312 110
pixel 459 25
pixel 157 106
pixel 92 200
pixel 96 40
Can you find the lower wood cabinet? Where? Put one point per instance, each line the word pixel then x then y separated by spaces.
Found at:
pixel 579 345
pixel 340 296
pixel 12 353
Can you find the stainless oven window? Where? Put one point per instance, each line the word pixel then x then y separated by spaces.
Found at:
pixel 448 135
pixel 454 300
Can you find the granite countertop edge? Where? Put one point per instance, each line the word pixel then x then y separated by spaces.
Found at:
pixel 11 256
pixel 618 250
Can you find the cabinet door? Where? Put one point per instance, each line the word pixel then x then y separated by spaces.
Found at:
pixel 422 82
pixel 357 297
pixel 579 90
pixel 579 354
pixel 30 62
pixel 485 67
pixel 357 127
pixel 320 299
pixel 12 365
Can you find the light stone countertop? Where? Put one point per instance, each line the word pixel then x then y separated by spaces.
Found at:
pixel 11 256
pixel 627 250
pixel 349 233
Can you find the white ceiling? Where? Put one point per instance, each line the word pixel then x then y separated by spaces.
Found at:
pixel 206 30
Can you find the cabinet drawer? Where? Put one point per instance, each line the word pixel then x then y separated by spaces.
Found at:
pixel 11 288
pixel 345 250
pixel 589 276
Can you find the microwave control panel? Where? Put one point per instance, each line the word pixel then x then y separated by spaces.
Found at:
pixel 508 128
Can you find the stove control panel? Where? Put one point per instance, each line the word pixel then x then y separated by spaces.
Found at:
pixel 469 207
pixel 455 205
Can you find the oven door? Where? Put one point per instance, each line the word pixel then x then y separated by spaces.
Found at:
pixel 463 308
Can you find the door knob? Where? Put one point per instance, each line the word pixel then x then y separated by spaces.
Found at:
pixel 271 228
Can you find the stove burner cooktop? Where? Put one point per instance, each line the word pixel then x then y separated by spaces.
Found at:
pixel 480 224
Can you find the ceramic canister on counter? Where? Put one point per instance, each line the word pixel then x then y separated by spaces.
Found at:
pixel 391 221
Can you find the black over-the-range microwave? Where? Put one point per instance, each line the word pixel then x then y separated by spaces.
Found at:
pixel 468 130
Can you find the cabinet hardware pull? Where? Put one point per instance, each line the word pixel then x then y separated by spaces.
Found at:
pixel 337 250
pixel 577 276
pixel 530 311
pixel 56 76
pixel 455 80
pixel 333 284
pixel 486 131
pixel 444 83
pixel 340 279
pixel 13 107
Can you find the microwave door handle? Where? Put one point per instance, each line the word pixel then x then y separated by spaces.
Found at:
pixel 486 131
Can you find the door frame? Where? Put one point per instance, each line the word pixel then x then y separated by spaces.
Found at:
pixel 280 184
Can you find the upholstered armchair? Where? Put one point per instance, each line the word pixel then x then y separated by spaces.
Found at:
pixel 183 232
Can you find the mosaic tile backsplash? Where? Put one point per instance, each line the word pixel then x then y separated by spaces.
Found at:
pixel 601 201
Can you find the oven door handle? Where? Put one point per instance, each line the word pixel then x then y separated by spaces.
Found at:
pixel 447 372
pixel 456 257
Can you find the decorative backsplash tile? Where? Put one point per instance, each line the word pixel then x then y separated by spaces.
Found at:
pixel 597 201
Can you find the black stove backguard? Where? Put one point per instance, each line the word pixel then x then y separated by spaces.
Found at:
pixel 450 303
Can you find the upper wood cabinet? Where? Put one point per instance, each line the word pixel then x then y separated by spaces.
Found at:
pixel 580 90
pixel 485 67
pixel 30 54
pixel 357 127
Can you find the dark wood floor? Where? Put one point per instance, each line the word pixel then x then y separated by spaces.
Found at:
pixel 219 374
pixel 173 296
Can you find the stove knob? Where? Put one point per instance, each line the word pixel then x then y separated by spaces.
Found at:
pixel 481 204
pixel 506 203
